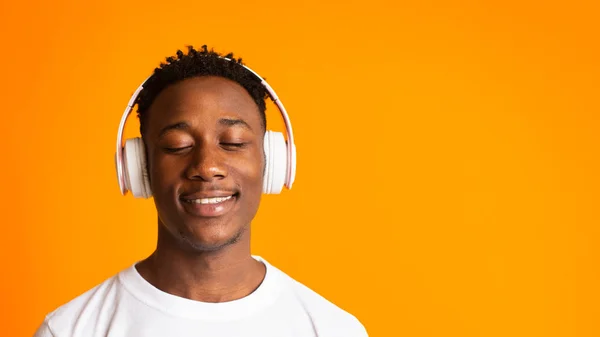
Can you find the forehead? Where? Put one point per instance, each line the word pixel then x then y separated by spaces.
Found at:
pixel 204 99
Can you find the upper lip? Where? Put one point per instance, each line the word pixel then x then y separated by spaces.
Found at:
pixel 206 194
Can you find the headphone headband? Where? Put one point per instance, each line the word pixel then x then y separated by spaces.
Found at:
pixel 291 148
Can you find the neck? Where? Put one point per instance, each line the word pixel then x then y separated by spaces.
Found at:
pixel 222 275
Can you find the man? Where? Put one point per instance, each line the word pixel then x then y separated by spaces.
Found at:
pixel 202 122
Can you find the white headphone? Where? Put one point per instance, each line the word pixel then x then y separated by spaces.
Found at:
pixel 280 155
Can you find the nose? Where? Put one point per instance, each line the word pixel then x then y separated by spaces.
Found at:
pixel 207 163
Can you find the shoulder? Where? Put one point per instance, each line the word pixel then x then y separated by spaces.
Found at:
pixel 325 314
pixel 61 321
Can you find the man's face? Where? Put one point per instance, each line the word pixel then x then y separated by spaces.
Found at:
pixel 204 141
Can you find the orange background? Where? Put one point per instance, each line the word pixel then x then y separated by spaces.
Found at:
pixel 448 154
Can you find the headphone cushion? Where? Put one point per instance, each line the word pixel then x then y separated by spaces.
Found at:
pixel 136 174
pixel 276 162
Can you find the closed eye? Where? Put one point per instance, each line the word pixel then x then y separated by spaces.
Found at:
pixel 233 145
pixel 176 149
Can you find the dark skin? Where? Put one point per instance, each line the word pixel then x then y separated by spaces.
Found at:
pixel 204 139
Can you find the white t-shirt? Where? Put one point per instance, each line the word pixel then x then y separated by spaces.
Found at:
pixel 126 305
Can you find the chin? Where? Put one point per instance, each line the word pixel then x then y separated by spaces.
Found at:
pixel 210 239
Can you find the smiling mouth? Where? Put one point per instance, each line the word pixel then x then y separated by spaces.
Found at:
pixel 208 201
pixel 208 206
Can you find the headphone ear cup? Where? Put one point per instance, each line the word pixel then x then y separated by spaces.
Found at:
pixel 276 162
pixel 136 174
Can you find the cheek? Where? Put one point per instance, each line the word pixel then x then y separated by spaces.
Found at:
pixel 252 186
pixel 164 179
pixel 249 176
pixel 164 175
pixel 254 167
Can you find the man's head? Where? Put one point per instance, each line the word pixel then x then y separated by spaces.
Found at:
pixel 202 119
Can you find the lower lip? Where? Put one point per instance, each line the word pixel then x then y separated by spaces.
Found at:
pixel 209 210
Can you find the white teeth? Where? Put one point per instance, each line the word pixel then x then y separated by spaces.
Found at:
pixel 209 200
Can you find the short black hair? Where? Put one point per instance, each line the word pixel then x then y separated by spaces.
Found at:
pixel 196 63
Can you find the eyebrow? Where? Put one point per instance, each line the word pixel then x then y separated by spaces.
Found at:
pixel 234 122
pixel 222 121
pixel 176 126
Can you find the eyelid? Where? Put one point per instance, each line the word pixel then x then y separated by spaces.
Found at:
pixel 234 146
pixel 176 149
pixel 234 143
